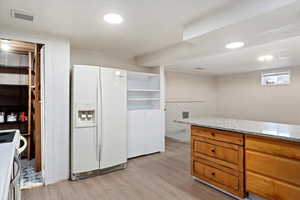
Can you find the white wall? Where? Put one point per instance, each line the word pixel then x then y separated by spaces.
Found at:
pixel 242 96
pixel 187 92
pixel 88 57
pixel 55 103
pixel 235 96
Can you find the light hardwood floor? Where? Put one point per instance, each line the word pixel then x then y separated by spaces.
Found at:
pixel 157 176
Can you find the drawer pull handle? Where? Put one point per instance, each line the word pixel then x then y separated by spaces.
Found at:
pixel 213 173
pixel 213 150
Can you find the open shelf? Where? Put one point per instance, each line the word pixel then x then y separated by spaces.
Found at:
pixel 13 79
pixel 143 82
pixel 13 69
pixel 139 75
pixel 144 105
pixel 22 126
pixel 13 85
pixel 13 123
pixel 142 90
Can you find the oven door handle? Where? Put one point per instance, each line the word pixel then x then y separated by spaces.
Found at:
pixel 14 179
pixel 22 148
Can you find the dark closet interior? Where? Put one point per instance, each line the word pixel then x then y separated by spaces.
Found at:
pixel 20 99
pixel 14 100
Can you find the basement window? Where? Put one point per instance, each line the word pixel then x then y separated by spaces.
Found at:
pixel 275 78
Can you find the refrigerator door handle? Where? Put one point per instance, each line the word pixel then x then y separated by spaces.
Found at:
pixel 99 147
pixel 99 117
pixel 97 143
pixel 98 152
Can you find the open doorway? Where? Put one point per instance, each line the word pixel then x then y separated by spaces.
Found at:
pixel 20 102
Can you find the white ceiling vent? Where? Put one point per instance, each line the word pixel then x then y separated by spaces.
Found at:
pixel 199 68
pixel 283 55
pixel 21 15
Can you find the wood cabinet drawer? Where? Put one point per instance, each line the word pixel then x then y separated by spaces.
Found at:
pixel 222 153
pixel 216 175
pixel 270 188
pixel 225 136
pixel 284 169
pixel 230 182
pixel 227 154
pixel 273 146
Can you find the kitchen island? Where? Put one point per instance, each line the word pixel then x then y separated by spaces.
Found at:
pixel 241 156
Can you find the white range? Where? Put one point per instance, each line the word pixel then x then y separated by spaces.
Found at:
pixel 9 165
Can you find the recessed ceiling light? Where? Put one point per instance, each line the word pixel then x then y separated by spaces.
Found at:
pixel 235 45
pixel 113 18
pixel 266 58
pixel 5 47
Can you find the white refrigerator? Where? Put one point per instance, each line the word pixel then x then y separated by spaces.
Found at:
pixel 99 119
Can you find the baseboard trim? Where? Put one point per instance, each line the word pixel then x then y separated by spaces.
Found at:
pixel 227 193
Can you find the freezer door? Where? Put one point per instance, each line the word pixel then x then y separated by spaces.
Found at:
pixel 85 144
pixel 114 117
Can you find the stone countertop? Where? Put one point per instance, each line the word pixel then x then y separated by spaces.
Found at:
pixel 7 152
pixel 260 128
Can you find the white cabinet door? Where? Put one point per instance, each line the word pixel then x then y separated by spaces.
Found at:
pixel 85 156
pixel 144 132
pixel 136 133
pixel 114 117
pixel 153 131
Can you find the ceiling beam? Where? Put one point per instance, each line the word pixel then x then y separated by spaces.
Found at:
pixel 232 14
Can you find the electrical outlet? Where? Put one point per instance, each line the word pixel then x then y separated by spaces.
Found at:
pixel 185 115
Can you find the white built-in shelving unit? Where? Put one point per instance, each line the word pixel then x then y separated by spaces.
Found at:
pixel 143 91
pixel 145 114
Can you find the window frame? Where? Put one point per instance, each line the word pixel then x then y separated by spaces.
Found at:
pixel 275 73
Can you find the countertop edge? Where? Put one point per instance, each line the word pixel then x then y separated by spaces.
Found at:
pixel 240 131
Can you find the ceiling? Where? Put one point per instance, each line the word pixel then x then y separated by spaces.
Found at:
pixel 275 30
pixel 148 24
pixel 182 35
pixel 286 53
